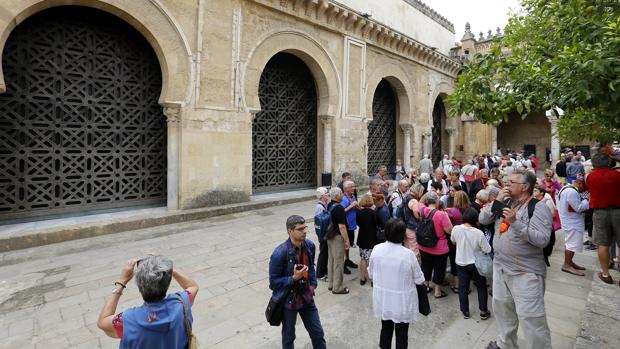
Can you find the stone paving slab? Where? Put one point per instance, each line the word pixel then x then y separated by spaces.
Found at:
pixel 50 296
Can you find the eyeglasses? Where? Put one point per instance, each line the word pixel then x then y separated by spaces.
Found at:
pixel 304 228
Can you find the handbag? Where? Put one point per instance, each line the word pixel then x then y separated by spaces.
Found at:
pixel 192 340
pixel 275 309
pixel 484 264
pixel 423 303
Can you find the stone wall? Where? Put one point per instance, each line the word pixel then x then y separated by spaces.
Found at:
pixel 535 129
pixel 212 54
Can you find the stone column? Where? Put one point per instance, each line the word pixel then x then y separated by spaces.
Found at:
pixel 428 143
pixel 418 145
pixel 451 141
pixel 407 129
pixel 555 140
pixel 494 137
pixel 327 121
pixel 173 117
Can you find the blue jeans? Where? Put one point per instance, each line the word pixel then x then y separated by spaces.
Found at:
pixel 310 316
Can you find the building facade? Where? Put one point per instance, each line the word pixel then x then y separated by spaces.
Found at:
pixel 193 103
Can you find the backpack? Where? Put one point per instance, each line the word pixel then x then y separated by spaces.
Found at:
pixel 405 214
pixel 331 230
pixel 531 205
pixel 321 224
pixel 425 234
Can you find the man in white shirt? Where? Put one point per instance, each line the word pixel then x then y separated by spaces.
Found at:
pixel 571 209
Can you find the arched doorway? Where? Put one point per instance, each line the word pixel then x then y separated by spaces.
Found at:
pixel 382 128
pixel 284 132
pixel 80 124
pixel 439 126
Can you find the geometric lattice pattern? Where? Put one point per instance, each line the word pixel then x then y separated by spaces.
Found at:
pixel 80 125
pixel 439 114
pixel 382 129
pixel 284 131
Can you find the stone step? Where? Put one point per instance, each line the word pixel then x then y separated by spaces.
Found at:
pixel 25 235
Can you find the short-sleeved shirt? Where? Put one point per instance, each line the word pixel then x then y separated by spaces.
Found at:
pixel 604 186
pixel 338 215
pixel 441 222
pixel 117 321
pixel 352 213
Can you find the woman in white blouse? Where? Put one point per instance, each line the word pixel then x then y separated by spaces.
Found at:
pixel 470 240
pixel 395 272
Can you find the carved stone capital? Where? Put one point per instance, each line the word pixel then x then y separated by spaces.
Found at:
pixel 172 112
pixel 407 129
pixel 326 119
pixel 427 134
pixel 451 131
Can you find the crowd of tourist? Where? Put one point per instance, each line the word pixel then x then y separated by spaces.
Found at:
pixel 434 228
pixel 489 220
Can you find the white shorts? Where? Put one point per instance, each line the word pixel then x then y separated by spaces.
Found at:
pixel 573 240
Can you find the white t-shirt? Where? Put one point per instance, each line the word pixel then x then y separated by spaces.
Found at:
pixel 468 240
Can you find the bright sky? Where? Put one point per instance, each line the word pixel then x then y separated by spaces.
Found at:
pixel 481 14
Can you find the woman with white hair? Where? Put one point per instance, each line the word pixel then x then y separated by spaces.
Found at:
pixel 161 321
pixel 322 194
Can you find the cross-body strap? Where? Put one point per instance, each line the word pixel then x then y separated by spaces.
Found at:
pixel 188 328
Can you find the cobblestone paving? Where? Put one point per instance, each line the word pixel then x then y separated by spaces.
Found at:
pixel 50 296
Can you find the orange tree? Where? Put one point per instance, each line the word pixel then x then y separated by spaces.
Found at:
pixel 555 53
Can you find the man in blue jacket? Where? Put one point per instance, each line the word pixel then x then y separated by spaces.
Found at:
pixel 292 278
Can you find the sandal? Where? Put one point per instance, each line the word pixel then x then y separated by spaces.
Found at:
pixel 344 291
pixel 443 294
pixel 572 270
pixel 606 279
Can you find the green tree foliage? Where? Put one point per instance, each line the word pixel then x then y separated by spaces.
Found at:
pixel 555 53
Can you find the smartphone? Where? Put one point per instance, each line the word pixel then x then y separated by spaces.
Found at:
pixel 498 208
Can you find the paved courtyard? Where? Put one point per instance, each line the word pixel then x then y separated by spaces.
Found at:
pixel 50 296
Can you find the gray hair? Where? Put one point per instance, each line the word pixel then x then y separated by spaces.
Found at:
pixel 334 192
pixel 382 168
pixel 376 181
pixel 320 191
pixel 600 160
pixel 483 195
pixel 347 184
pixel 153 277
pixel 431 198
pixel 293 220
pixel 528 178
pixel 403 182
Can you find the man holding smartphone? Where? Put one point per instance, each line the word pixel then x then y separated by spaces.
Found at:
pixel 519 268
pixel 292 278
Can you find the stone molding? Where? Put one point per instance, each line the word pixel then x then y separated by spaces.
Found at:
pixel 306 48
pixel 402 86
pixel 151 18
pixel 349 22
pixel 432 14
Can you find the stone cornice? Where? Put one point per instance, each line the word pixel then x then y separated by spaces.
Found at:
pixel 348 21
pixel 432 14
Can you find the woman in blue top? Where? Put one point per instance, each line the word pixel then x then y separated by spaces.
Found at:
pixel 161 321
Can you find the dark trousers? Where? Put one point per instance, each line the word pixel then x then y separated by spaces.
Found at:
pixel 310 316
pixel 321 263
pixel 435 266
pixel 387 328
pixel 467 273
pixel 452 258
pixel 351 234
